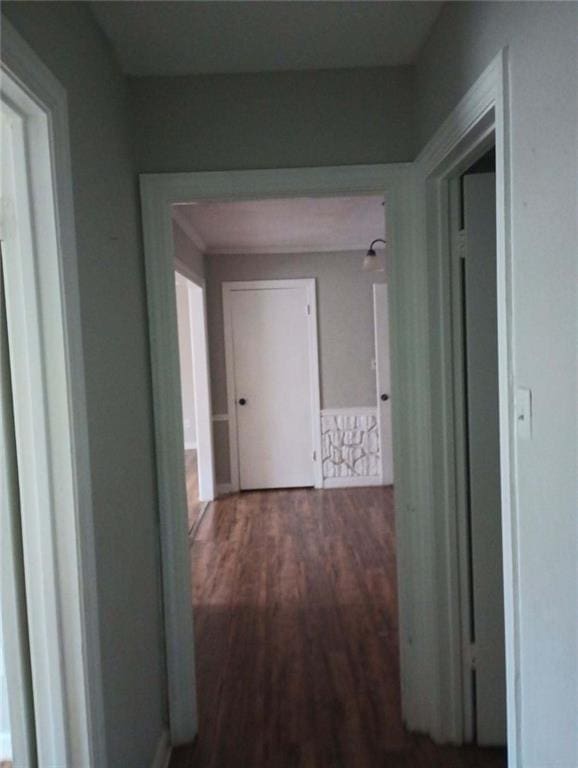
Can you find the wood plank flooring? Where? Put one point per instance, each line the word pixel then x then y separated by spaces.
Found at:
pixel 297 637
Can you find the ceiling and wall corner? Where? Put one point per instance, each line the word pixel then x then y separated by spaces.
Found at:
pixel 200 91
pixel 294 225
pixel 174 39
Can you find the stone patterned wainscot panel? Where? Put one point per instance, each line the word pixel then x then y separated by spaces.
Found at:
pixel 350 443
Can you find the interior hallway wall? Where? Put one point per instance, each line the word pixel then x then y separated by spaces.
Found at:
pixel 117 371
pixel 345 322
pixel 542 54
pixel 274 119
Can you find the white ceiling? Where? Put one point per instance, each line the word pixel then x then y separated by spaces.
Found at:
pixel 299 225
pixel 177 38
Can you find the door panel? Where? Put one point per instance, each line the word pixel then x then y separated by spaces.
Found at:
pixel 484 456
pixel 383 376
pixel 272 371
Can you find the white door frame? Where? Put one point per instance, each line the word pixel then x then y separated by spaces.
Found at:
pixel 480 117
pixel 314 394
pixel 51 419
pixel 197 302
pixel 158 193
pixel 379 384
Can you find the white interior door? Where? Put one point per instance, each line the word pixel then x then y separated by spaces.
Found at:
pixel 383 379
pixel 273 374
pixel 479 200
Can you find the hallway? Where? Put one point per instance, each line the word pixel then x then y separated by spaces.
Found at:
pixel 296 637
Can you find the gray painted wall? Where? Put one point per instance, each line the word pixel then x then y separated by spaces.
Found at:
pixel 345 317
pixel 274 120
pixel 308 119
pixel 114 328
pixel 542 71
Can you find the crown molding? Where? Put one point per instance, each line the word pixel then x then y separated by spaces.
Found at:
pixel 276 250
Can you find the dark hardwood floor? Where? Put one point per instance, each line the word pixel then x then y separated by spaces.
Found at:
pixel 195 507
pixel 296 637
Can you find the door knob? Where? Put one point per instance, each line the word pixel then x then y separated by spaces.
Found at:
pixel 242 401
pixel 384 397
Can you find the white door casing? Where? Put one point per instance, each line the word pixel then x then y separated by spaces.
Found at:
pixel 17 737
pixel 383 379
pixel 49 406
pixel 197 302
pixel 272 383
pixel 201 379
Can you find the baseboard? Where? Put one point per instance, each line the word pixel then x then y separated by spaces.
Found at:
pixel 224 488
pixel 162 756
pixel 351 482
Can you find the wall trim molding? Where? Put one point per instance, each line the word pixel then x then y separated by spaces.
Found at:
pixel 370 410
pixel 280 250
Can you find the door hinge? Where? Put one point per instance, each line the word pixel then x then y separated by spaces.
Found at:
pixel 471 656
pixel 314 455
pixel 308 309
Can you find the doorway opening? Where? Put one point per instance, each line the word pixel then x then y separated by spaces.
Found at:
pixel 472 208
pixel 296 562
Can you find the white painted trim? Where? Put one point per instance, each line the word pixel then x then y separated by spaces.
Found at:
pixel 223 489
pixel 314 386
pixel 188 230
pixel 202 382
pixel 279 250
pixel 483 110
pixel 360 481
pixel 379 386
pixel 361 410
pixel 220 417
pixel 163 751
pixel 231 393
pixel 183 269
pixel 190 446
pixel 64 547
pixel 158 193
